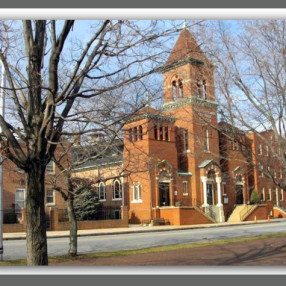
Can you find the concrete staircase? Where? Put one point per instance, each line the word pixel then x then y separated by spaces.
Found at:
pixel 240 212
pixel 235 215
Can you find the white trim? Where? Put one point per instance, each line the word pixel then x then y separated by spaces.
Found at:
pixel 120 190
pixel 104 191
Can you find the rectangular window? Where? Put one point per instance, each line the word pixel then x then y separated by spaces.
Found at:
pixel 186 139
pixel 260 149
pixel 135 135
pixel 50 197
pixel 185 188
pixel 130 135
pixel 266 150
pixel 51 167
pixel 269 195
pixel 166 133
pixel 137 193
pixel 206 141
pixel 161 132
pixel 262 194
pixel 281 194
pixel 19 200
pixel 155 132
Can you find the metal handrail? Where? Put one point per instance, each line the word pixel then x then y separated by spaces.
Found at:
pixel 246 211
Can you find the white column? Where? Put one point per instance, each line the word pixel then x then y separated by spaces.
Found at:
pixel 204 180
pixel 218 183
pixel 219 204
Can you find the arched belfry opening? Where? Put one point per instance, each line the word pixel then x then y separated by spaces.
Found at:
pixel 177 88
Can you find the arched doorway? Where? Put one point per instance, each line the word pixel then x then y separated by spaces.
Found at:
pixel 164 189
pixel 239 191
pixel 210 187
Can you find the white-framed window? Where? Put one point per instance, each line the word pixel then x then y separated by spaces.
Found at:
pixel 137 192
pixel 261 169
pixel 50 167
pixel 20 200
pixel 263 194
pixel 101 191
pixel 117 190
pixel 204 89
pixel 266 150
pixel 185 188
pixel 259 149
pixel 206 141
pixel 50 197
pixel 280 173
pixel 186 139
pixel 269 198
pixel 281 194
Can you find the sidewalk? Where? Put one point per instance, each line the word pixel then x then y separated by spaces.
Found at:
pixel 136 229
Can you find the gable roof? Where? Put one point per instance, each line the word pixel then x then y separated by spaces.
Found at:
pixel 207 162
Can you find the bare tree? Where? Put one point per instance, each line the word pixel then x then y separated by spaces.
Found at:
pixel 250 74
pixel 55 73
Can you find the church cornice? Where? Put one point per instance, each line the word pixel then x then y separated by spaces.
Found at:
pixel 181 62
pixel 153 117
pixel 191 100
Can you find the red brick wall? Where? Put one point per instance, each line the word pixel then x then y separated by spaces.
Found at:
pixel 183 216
pixel 261 213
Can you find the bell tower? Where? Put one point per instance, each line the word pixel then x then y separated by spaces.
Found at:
pixel 188 72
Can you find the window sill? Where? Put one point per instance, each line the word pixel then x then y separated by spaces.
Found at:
pixel 185 195
pixel 50 204
pixel 137 202
pixel 103 200
pixel 119 199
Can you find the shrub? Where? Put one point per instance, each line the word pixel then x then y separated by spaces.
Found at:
pixel 255 198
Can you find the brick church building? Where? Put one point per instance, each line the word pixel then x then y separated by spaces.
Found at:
pixel 185 167
pixel 178 164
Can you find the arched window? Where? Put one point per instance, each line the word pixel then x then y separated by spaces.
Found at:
pixel 199 88
pixel 117 190
pixel 204 89
pixel 180 86
pixel 174 90
pixel 177 88
pixel 101 191
pixel 140 132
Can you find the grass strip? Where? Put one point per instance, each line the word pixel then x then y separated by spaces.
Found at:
pixel 64 258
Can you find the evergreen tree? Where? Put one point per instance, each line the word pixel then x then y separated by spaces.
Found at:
pixel 87 205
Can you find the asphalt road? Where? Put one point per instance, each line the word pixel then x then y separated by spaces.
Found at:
pixel 15 249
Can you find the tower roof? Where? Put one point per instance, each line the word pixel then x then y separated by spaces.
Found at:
pixel 186 47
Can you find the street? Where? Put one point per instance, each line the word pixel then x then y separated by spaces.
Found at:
pixel 16 249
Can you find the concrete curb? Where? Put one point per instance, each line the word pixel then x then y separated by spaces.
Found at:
pixel 140 229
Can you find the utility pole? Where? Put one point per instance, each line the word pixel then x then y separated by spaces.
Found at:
pixel 2 107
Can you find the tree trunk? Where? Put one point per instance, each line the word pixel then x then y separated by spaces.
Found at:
pixel 73 226
pixel 36 221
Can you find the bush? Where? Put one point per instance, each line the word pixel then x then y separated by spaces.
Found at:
pixel 255 198
pixel 86 205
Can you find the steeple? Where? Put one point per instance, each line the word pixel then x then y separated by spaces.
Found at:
pixel 186 48
pixel 187 72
